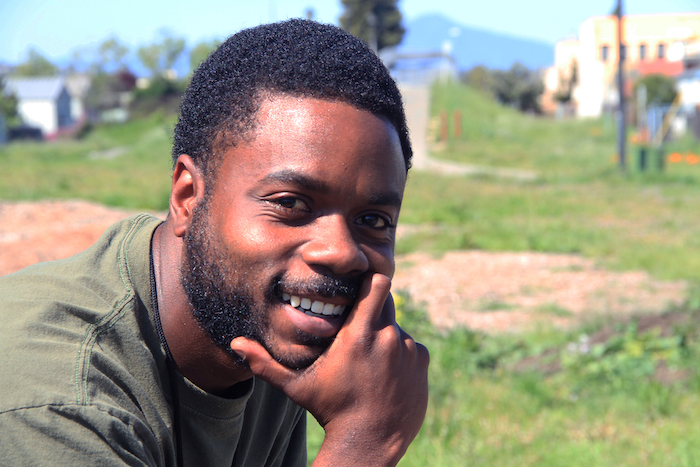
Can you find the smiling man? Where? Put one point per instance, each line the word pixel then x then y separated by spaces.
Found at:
pixel 202 340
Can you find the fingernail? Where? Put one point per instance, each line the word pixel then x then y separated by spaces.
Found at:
pixel 239 352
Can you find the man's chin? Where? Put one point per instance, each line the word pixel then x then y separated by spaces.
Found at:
pixel 298 363
pixel 300 358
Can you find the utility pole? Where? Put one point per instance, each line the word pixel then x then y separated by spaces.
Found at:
pixel 622 116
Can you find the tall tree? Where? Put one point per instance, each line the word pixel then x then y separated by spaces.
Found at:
pixel 518 87
pixel 161 55
pixel 112 53
pixel 35 65
pixel 201 51
pixel 661 89
pixel 377 22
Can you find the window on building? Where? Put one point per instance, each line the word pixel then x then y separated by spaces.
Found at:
pixel 642 52
pixel 661 51
pixel 604 53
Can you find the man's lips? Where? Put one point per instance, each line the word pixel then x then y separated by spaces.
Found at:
pixel 313 307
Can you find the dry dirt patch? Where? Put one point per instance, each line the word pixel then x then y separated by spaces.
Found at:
pixel 31 232
pixel 486 291
pixel 510 291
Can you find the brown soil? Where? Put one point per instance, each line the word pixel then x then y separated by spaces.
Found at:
pixel 496 292
pixel 48 230
pixel 486 291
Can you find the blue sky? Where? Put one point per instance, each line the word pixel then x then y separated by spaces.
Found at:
pixel 55 28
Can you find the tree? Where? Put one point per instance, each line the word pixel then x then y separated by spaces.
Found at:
pixel 518 87
pixel 201 51
pixel 377 22
pixel 8 105
pixel 161 55
pixel 565 88
pixel 661 89
pixel 35 65
pixel 112 53
pixel 106 90
pixel 479 77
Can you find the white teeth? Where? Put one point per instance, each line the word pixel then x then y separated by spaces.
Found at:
pixel 316 307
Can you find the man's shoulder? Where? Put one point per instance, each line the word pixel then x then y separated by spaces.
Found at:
pixel 70 323
pixel 116 261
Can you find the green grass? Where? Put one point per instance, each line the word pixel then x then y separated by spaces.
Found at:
pixel 602 408
pixel 118 165
pixel 580 203
pixel 502 137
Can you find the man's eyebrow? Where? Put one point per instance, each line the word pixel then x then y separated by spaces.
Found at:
pixel 386 199
pixel 313 184
pixel 298 179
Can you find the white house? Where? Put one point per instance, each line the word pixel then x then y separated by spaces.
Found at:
pixel 42 102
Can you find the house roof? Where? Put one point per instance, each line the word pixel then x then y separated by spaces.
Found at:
pixel 45 87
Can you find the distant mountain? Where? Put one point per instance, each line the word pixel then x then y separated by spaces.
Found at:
pixel 471 46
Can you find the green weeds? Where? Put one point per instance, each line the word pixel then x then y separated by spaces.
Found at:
pixel 623 393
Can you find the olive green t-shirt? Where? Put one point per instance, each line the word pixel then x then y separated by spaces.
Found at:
pixel 84 379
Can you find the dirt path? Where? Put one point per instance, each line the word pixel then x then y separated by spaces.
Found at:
pixel 487 291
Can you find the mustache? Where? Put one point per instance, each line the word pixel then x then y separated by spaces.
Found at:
pixel 324 286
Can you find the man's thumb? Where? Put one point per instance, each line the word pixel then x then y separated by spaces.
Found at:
pixel 261 362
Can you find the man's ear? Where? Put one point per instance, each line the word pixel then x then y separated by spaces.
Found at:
pixel 187 191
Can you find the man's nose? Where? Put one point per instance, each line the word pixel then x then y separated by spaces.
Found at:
pixel 334 247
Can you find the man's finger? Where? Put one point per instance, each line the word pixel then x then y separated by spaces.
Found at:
pixel 371 302
pixel 262 364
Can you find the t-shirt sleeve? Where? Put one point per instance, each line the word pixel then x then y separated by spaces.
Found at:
pixel 72 435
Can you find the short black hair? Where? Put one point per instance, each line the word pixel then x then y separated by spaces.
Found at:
pixel 296 57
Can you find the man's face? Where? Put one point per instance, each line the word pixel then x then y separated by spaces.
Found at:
pixel 298 214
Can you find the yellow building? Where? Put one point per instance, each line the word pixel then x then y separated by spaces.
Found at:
pixel 651 44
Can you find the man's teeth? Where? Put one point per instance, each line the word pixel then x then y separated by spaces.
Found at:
pixel 316 307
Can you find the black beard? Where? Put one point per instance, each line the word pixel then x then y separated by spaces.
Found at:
pixel 224 306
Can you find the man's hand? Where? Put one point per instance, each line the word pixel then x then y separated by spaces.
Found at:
pixel 369 390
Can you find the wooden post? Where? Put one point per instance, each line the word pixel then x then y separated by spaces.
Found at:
pixel 457 123
pixel 443 126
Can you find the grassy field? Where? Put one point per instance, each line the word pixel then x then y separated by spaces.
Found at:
pixel 580 202
pixel 117 165
pixel 573 404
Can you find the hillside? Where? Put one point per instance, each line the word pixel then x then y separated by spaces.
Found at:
pixel 472 46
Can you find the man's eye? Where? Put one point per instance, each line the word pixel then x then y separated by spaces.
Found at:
pixel 375 221
pixel 292 203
